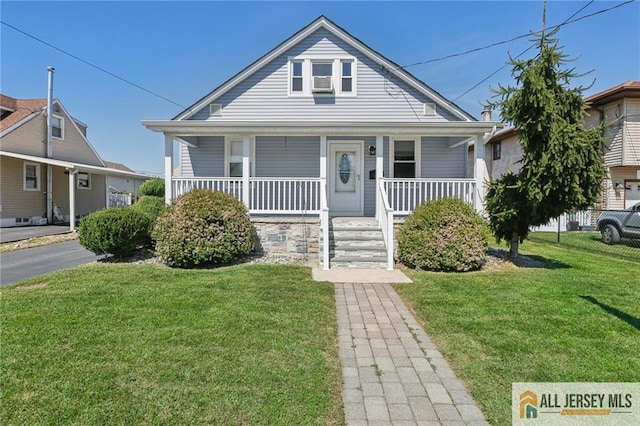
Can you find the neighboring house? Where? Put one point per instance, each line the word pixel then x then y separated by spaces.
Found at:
pixel 619 109
pixel 324 125
pixel 78 183
pixel 123 188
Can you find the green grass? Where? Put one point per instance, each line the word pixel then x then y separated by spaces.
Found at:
pixel 578 320
pixel 139 344
pixel 592 242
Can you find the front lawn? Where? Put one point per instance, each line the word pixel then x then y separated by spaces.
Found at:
pixel 627 248
pixel 139 344
pixel 578 320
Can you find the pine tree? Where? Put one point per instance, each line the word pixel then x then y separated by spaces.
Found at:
pixel 562 163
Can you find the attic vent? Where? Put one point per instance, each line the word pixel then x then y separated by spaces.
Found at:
pixel 429 108
pixel 322 84
pixel 215 110
pixel 56 109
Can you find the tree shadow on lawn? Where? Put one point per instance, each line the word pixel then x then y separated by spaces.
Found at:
pixel 532 261
pixel 629 319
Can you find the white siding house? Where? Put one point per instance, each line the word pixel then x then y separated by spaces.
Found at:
pixel 323 125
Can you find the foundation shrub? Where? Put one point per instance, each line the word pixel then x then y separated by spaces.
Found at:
pixel 119 231
pixel 154 187
pixel 151 206
pixel 443 235
pixel 204 227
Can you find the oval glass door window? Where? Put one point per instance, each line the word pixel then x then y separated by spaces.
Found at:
pixel 345 181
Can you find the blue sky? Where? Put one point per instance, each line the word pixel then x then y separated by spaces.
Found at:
pixel 183 50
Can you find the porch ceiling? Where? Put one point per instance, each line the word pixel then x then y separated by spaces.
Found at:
pixel 186 128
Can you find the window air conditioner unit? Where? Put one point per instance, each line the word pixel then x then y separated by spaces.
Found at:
pixel 322 84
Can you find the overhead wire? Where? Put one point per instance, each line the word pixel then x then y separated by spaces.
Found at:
pixel 84 61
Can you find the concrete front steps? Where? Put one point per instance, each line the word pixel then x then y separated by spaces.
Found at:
pixel 356 243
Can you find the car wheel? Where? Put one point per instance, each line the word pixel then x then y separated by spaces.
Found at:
pixel 610 234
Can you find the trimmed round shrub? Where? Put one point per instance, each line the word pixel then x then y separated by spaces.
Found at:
pixel 443 235
pixel 151 206
pixel 154 187
pixel 204 227
pixel 119 231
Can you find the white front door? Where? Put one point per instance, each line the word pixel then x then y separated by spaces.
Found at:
pixel 345 178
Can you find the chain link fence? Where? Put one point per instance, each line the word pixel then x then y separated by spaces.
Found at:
pixel 609 232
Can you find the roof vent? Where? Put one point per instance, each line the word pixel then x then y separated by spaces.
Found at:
pixel 215 110
pixel 429 109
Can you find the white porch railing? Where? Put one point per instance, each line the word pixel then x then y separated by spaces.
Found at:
pixel 385 220
pixel 231 186
pixel 284 195
pixel 404 195
pixel 324 223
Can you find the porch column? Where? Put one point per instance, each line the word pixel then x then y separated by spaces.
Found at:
pixel 480 174
pixel 168 168
pixel 246 171
pixel 379 171
pixel 323 157
pixel 72 200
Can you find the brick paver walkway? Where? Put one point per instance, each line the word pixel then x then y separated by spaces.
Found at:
pixel 392 372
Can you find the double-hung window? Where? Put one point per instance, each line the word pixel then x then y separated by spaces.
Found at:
pixel 322 75
pixel 83 180
pixel 497 150
pixel 297 80
pixel 31 177
pixel 57 127
pixel 234 157
pixel 404 159
pixel 347 76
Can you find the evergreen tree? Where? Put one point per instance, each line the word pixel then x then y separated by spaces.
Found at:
pixel 562 163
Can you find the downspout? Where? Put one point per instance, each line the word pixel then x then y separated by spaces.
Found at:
pixel 50 71
pixel 608 181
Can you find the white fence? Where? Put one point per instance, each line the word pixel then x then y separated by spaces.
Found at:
pixel 119 199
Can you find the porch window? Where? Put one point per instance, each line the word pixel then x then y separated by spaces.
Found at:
pixel 296 77
pixel 234 157
pixel 347 76
pixel 404 159
pixel 31 177
pixel 83 181
pixel 57 127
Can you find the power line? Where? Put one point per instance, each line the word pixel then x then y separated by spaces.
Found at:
pixel 93 65
pixel 565 22
pixel 498 43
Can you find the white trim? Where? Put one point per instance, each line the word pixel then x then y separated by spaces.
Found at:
pixel 73 166
pixel 354 77
pixel 327 128
pixel 88 179
pixel 227 154
pixel 322 22
pixel 24 175
pixel 417 151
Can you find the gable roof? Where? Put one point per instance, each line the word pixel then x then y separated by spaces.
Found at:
pixel 322 22
pixel 628 89
pixel 118 166
pixel 22 108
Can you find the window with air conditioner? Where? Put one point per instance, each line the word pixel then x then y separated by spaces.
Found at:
pixel 322 74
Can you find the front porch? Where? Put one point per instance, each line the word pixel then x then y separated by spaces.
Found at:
pixel 326 170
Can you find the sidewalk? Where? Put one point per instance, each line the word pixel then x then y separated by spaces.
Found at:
pixel 392 372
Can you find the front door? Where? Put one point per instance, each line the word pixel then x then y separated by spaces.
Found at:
pixel 345 178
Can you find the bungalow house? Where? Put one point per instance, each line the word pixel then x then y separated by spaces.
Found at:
pixel 619 109
pixel 72 178
pixel 326 141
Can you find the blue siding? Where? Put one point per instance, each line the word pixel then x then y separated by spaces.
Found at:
pixel 440 161
pixel 205 160
pixel 292 156
pixel 263 96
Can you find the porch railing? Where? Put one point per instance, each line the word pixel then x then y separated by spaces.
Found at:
pixel 266 195
pixel 284 195
pixel 385 220
pixel 231 186
pixel 324 224
pixel 404 195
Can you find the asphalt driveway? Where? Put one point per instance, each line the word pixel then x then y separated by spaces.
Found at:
pixel 20 233
pixel 20 264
